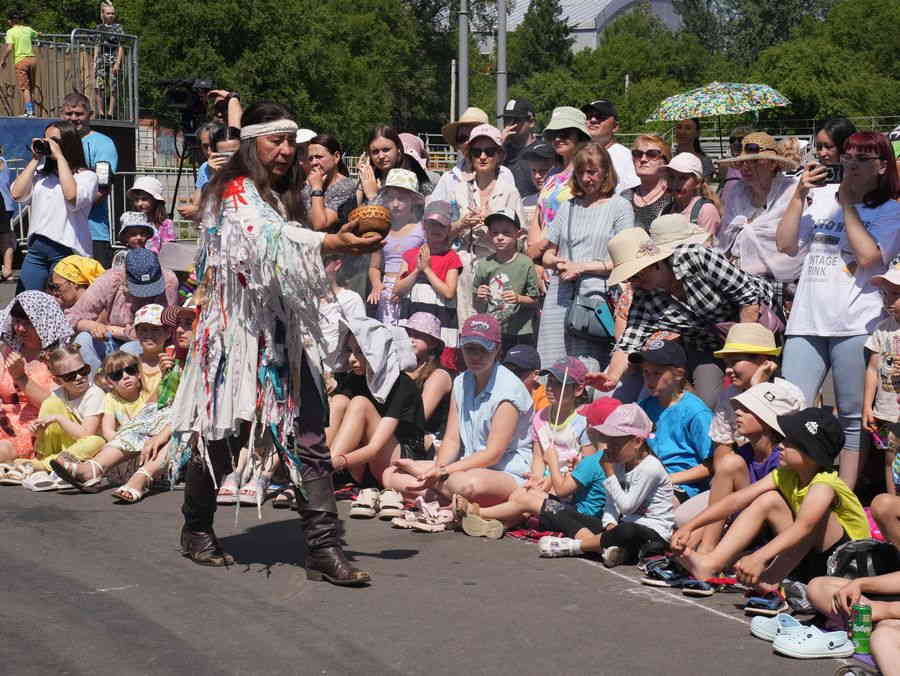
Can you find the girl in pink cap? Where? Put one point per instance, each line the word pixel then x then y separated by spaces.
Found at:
pixel 638 517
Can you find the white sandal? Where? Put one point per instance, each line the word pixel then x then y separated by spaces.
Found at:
pixel 41 482
pixel 128 495
pixel 15 473
pixel 67 471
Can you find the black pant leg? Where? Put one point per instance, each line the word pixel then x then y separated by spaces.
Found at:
pixel 199 505
pixel 631 537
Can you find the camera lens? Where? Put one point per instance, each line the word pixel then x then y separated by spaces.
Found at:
pixel 41 146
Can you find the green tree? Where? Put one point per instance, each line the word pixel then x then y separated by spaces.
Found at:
pixel 542 42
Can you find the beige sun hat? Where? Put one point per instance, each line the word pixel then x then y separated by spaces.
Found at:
pixel 631 251
pixel 768 401
pixel 567 117
pixel 759 146
pixel 672 230
pixel 472 115
pixel 749 338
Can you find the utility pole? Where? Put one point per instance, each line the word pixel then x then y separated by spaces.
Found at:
pixel 501 60
pixel 452 89
pixel 463 57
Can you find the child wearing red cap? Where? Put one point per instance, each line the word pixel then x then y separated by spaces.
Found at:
pixel 570 489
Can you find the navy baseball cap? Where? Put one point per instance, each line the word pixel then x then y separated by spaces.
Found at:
pixel 660 352
pixel 517 109
pixel 538 151
pixel 144 274
pixel 816 432
pixel 522 357
pixel 602 106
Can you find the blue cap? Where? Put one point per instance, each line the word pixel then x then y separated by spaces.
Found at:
pixel 144 275
pixel 523 357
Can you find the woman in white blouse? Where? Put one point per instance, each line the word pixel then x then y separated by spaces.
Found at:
pixel 61 191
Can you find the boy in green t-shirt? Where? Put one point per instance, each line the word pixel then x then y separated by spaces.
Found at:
pixel 506 284
pixel 811 510
pixel 19 41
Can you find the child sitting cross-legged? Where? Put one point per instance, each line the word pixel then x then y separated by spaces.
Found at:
pixel 638 516
pixel 69 419
pixel 811 510
pixel 565 468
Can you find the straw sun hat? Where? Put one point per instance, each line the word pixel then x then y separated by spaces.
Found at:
pixel 631 251
pixel 472 115
pixel 759 146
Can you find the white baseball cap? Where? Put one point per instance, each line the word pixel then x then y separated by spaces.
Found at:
pixel 767 401
pixel 305 135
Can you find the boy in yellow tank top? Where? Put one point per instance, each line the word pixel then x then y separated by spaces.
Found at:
pixel 19 39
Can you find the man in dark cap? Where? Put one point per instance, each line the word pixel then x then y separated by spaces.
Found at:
pixel 602 124
pixel 518 133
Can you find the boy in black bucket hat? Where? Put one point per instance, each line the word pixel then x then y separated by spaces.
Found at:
pixel 804 502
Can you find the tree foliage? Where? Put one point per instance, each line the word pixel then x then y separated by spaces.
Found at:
pixel 542 42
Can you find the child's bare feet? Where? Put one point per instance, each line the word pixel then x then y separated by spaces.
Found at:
pixel 696 564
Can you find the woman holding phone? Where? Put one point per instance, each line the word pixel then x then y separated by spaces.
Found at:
pixel 60 189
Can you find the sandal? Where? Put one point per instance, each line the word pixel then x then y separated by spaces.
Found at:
pixel 768 604
pixel 128 495
pixel 41 482
pixel 67 470
pixel 426 517
pixel 287 499
pixel 228 491
pixel 254 491
pixel 390 504
pixel 665 573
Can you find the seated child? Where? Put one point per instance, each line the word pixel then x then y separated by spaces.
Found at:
pixel 486 451
pixel 638 515
pixel 811 510
pixel 69 419
pixel 681 418
pixel 126 399
pixel 756 412
pixel 835 597
pixel 881 411
pixel 565 501
pixel 384 419
pixel 347 305
pixel 525 362
pixel 432 380
pixel 505 283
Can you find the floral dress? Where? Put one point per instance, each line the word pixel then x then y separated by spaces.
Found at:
pixel 260 318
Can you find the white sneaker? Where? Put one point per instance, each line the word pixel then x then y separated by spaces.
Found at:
pixel 390 505
pixel 613 556
pixel 552 547
pixel 366 504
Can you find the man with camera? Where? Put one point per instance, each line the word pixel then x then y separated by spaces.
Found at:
pixel 102 158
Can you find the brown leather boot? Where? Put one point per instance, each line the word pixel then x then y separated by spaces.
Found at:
pixel 330 563
pixel 204 549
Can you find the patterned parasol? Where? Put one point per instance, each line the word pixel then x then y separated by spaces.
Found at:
pixel 718 98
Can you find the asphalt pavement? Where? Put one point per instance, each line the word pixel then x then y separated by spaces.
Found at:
pixel 91 587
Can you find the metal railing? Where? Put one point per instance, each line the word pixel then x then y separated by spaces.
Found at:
pixel 101 65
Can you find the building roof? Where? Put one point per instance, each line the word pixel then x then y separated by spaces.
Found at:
pixel 579 13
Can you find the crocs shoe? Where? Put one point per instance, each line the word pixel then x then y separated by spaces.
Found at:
pixel 813 643
pixel 552 547
pixel 770 628
pixel 366 504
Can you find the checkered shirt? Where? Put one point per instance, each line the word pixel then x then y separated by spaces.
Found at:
pixel 715 290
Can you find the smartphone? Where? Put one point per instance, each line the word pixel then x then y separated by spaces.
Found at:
pixel 102 171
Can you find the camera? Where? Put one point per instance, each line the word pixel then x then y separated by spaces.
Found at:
pixel 834 173
pixel 40 147
pixel 187 94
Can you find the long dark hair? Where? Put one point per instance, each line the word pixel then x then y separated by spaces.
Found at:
pixel 406 162
pixel 839 129
pixel 332 145
pixel 70 144
pixel 246 163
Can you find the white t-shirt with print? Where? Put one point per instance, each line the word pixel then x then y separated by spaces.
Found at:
pixel 835 296
pixel 885 342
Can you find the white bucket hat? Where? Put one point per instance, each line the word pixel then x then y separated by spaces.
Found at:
pixel 767 401
pixel 631 251
pixel 149 185
pixel 567 117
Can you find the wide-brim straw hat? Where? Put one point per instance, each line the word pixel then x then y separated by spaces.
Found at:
pixel 749 338
pixel 768 151
pixel 673 230
pixel 471 115
pixel 631 251
pixel 567 117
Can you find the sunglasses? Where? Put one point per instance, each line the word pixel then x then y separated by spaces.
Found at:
pixel 599 117
pixel 71 376
pixel 754 148
pixel 490 151
pixel 52 288
pixel 560 133
pixel 116 376
pixel 652 154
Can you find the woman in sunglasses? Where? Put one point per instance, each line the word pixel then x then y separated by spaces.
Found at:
pixel 754 207
pixel 650 154
pixel 71 277
pixel 482 192
pixel 29 326
pixel 852 231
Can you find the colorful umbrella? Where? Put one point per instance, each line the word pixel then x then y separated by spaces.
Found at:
pixel 718 98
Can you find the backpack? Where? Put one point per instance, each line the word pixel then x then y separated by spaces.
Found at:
pixel 695 210
pixel 863 558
